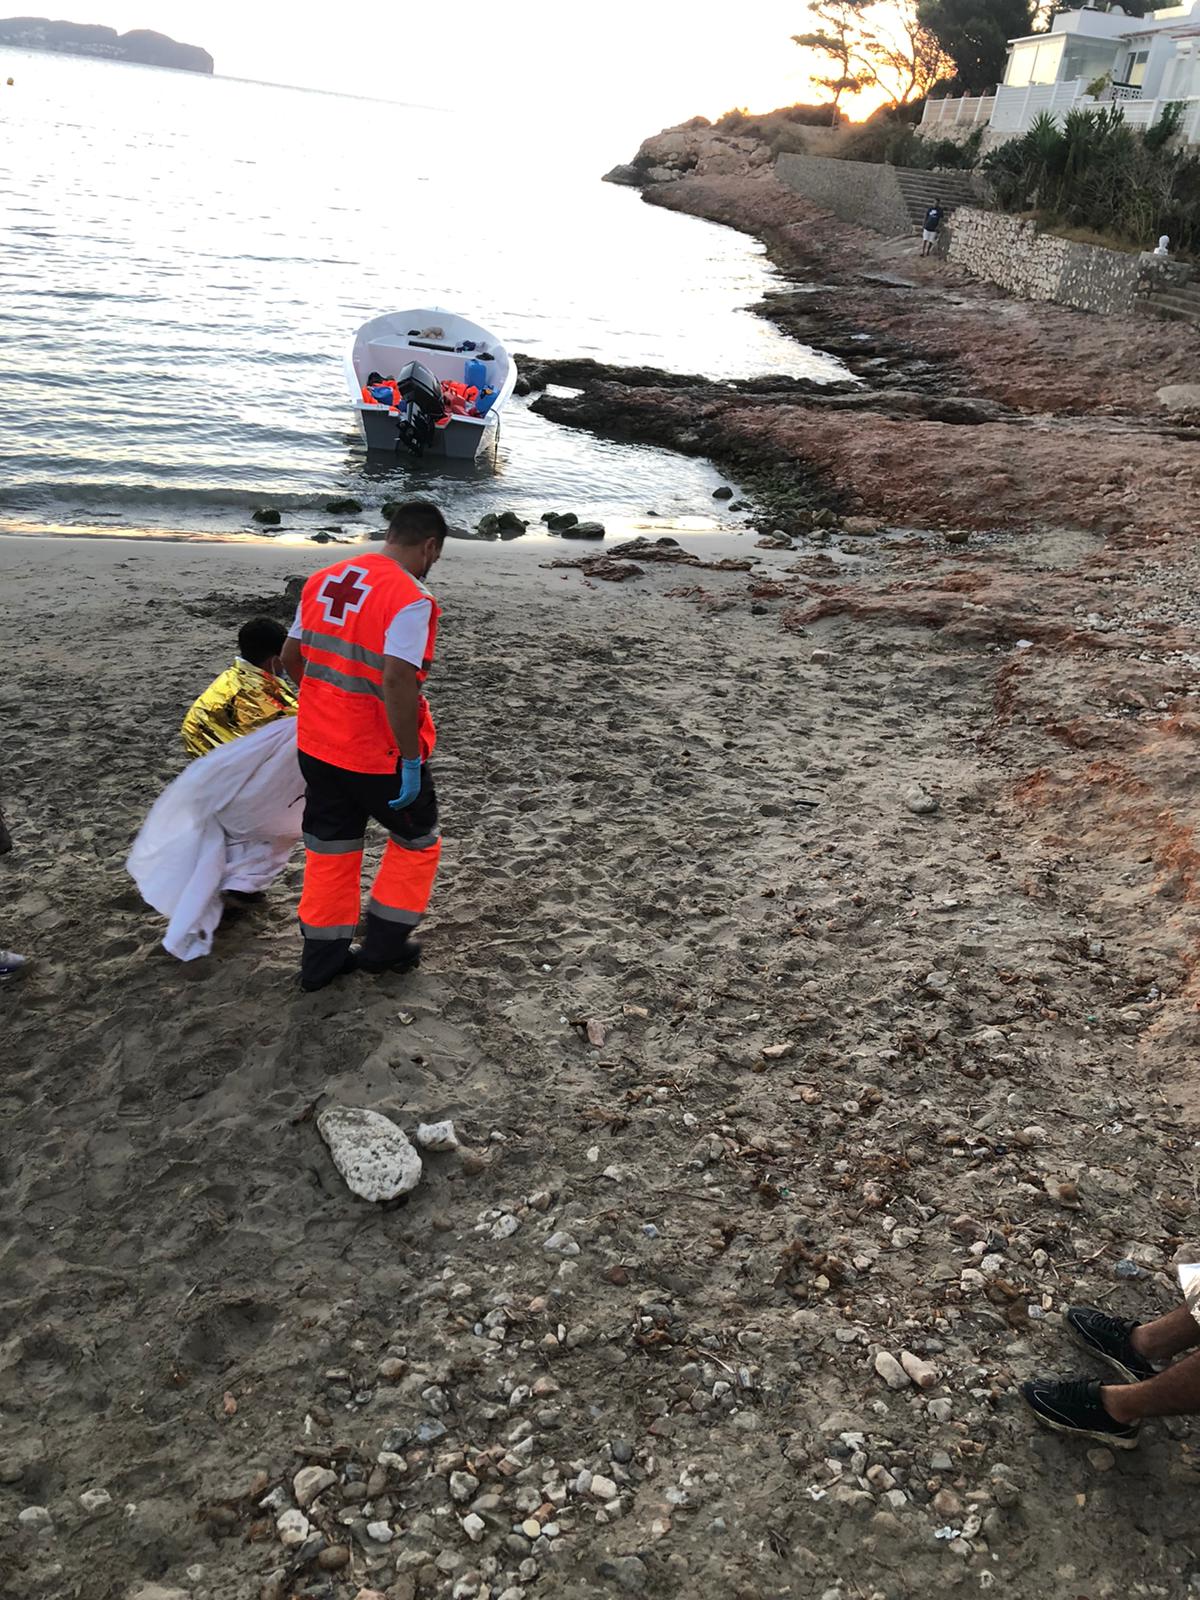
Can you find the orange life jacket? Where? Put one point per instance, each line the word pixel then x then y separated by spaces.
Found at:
pixel 372 401
pixel 345 611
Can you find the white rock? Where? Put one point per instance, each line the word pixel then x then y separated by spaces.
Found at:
pixel 561 1244
pixel 941 1410
pixel 920 803
pixel 504 1227
pixel 372 1154
pixel 35 1517
pixel 309 1482
pixel 474 1527
pixel 292 1527
pixel 95 1499
pixel 1179 397
pixel 463 1485
pixel 437 1136
pixel 381 1532
pixel 890 1370
pixel 602 1488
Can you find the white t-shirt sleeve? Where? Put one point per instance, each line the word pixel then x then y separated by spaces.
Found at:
pixel 408 633
pixel 295 630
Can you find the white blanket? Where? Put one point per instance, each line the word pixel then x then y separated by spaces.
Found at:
pixel 229 821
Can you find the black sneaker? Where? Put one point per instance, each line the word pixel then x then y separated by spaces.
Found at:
pixel 1073 1405
pixel 1109 1338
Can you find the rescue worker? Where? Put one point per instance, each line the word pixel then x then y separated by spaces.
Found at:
pixel 360 649
pixel 248 696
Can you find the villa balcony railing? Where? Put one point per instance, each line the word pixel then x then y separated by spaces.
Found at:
pixel 1016 109
pixel 1123 91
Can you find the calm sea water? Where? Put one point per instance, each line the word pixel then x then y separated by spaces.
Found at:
pixel 182 260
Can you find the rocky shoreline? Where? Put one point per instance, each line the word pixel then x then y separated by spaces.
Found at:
pixel 969 410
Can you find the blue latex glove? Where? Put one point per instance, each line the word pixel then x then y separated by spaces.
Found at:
pixel 410 784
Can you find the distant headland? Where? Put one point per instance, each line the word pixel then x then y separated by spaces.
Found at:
pixel 142 45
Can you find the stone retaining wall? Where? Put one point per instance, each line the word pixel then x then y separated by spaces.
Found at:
pixel 856 191
pixel 1014 253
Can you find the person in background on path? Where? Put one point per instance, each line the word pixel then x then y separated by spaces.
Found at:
pixel 1113 1412
pixel 251 694
pixel 360 649
pixel 933 224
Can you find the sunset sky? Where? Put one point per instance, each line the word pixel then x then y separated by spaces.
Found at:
pixel 640 64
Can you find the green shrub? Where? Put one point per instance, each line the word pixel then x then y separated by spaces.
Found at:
pixel 1096 173
pixel 897 144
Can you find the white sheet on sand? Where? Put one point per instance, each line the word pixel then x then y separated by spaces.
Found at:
pixel 229 821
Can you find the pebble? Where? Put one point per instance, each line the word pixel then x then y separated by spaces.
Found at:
pixel 941 1410
pixel 95 1499
pixel 890 1370
pixel 627 1572
pixel 531 1528
pixel 372 1154
pixel 621 1451
pixel 463 1485
pixel 292 1526
pixel 920 803
pixel 1102 1460
pixel 309 1482
pixel 381 1532
pixel 504 1227
pixel 437 1136
pixel 474 1527
pixel 35 1517
pixel 334 1558
pixel 561 1244
pixel 602 1488
pixel 921 1372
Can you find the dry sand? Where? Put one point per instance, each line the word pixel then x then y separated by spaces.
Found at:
pixel 846 1052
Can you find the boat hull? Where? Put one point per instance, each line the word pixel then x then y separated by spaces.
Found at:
pixel 462 439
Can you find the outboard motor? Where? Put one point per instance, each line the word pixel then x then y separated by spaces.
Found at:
pixel 424 407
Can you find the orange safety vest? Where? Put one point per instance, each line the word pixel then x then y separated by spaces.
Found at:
pixel 345 611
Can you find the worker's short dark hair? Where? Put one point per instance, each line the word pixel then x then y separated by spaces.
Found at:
pixel 374 377
pixel 415 521
pixel 260 639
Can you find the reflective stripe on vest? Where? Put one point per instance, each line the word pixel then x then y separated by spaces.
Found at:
pixel 345 612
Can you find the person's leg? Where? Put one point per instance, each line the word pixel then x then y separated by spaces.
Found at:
pixel 1173 1393
pixel 335 822
pixel 1166 1336
pixel 404 883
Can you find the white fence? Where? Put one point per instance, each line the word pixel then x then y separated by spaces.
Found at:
pixel 967 112
pixel 1017 109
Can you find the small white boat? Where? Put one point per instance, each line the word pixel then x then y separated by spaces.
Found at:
pixel 427 363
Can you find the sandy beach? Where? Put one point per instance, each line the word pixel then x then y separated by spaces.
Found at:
pixel 872 871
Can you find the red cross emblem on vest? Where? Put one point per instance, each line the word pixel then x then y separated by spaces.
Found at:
pixel 343 592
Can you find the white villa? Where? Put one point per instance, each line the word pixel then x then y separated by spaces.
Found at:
pixel 1143 63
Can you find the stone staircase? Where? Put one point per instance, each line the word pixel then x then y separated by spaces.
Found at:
pixel 920 189
pixel 1176 302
